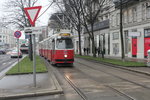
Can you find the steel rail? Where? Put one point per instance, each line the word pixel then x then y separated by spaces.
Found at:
pixel 78 90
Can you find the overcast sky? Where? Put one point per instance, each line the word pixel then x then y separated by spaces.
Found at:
pixel 44 18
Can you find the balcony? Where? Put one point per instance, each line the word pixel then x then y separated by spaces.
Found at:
pixel 99 26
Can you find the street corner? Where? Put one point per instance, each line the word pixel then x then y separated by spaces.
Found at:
pixel 18 86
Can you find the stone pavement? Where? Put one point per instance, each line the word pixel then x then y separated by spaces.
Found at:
pixel 15 86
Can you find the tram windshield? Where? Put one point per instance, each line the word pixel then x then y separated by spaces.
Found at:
pixel 64 43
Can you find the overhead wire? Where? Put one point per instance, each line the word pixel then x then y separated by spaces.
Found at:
pixel 46 9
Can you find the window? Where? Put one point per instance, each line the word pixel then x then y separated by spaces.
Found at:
pixel 115 36
pixel 64 44
pixel 118 19
pixel 115 48
pixel 134 14
pixel 126 41
pixel 125 17
pixel 130 15
pixel 148 12
pixel 147 32
pixel 112 22
pixel 143 11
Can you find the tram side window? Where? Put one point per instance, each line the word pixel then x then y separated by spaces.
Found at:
pixel 64 44
pixel 53 44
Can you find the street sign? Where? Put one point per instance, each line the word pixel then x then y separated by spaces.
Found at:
pixel 17 34
pixel 32 13
pixel 134 34
pixel 33 30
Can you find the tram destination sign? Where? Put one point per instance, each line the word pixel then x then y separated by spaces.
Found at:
pixel 33 30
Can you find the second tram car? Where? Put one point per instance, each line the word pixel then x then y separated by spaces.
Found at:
pixel 58 48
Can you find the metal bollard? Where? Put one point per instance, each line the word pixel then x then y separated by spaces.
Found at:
pixel 148 58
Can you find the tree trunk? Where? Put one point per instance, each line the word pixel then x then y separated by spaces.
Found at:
pixel 93 47
pixel 79 35
pixel 121 32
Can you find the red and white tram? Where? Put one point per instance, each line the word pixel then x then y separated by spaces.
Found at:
pixel 58 48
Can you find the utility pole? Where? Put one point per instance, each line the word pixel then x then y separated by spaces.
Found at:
pixel 121 32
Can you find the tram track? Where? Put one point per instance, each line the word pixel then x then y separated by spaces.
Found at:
pixel 117 67
pixel 146 87
pixel 75 88
pixel 78 90
pixel 82 94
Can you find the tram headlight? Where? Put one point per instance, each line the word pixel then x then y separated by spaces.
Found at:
pixel 65 56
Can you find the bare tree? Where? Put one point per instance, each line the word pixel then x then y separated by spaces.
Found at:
pixel 72 12
pixel 84 13
pixel 15 15
pixel 90 11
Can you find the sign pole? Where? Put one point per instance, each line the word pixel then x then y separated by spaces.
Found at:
pixel 32 14
pixel 18 34
pixel 34 60
pixel 18 54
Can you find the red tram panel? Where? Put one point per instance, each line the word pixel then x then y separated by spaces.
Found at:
pixel 58 48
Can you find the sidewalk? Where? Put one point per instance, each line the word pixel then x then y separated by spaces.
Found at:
pixel 15 86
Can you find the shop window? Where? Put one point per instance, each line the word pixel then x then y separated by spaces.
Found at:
pixel 115 48
pixel 147 33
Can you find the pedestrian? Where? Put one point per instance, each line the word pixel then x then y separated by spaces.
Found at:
pixel 95 50
pixel 84 51
pixel 87 51
pixel 98 51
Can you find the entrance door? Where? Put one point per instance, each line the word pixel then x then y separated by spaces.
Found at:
pixel 134 47
pixel 146 45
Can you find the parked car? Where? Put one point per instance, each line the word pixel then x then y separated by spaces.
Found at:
pixel 14 54
pixel 2 51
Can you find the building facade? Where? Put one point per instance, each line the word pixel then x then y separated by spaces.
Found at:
pixel 101 31
pixel 136 29
pixel 7 39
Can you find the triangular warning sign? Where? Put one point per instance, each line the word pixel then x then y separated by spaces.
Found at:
pixel 32 13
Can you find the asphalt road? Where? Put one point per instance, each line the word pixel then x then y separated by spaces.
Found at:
pixel 6 61
pixel 93 81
